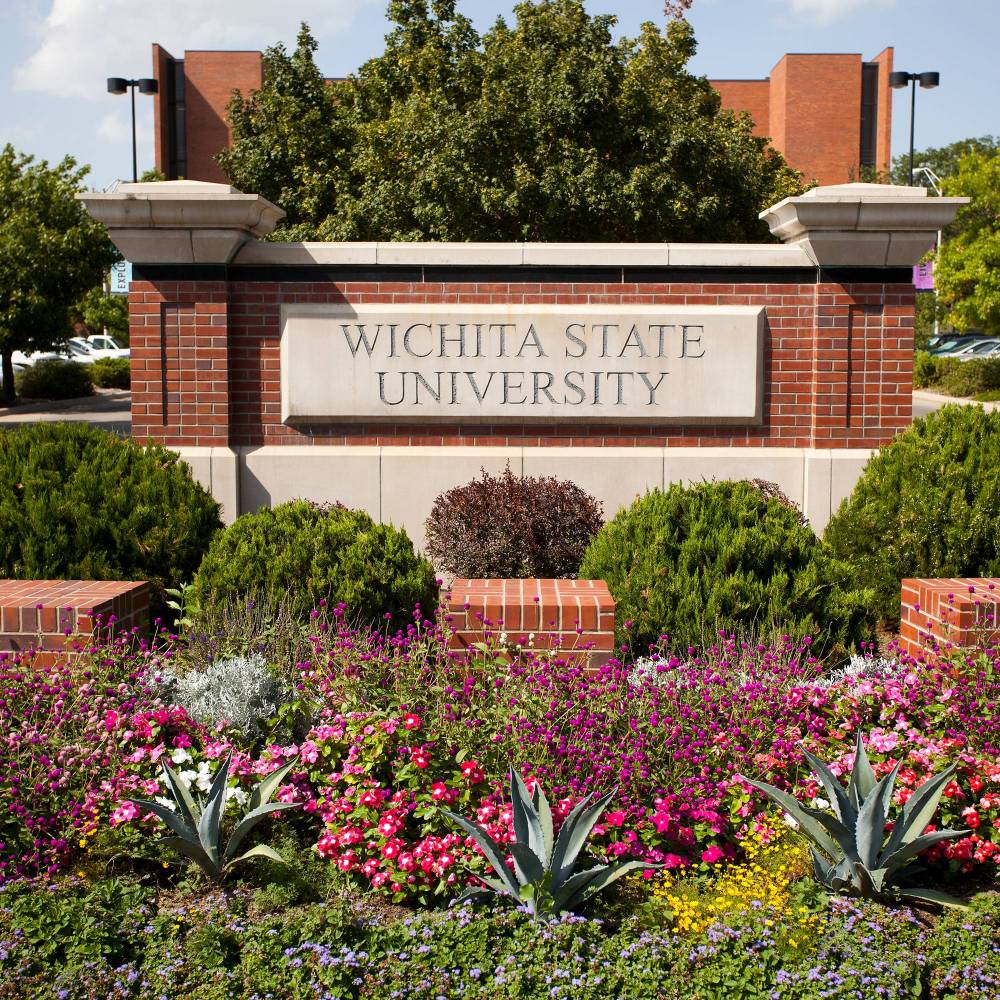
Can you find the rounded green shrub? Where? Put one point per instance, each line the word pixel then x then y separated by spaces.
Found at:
pixel 303 553
pixel 926 505
pixel 80 503
pixel 112 373
pixel 55 378
pixel 511 526
pixel 689 561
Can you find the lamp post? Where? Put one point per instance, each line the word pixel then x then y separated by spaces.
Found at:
pixel 935 183
pixel 928 81
pixel 118 85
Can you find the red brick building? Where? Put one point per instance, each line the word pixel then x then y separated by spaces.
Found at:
pixel 830 115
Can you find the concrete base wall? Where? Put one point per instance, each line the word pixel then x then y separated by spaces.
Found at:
pixel 399 484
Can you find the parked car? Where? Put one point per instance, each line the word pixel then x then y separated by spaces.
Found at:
pixel 947 346
pixel 105 346
pixel 982 349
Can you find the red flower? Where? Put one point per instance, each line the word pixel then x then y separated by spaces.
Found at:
pixel 472 772
pixel 411 721
pixel 420 757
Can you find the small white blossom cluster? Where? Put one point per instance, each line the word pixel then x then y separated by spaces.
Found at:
pixel 197 779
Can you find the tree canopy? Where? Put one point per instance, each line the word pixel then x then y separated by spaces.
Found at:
pixel 545 130
pixel 51 253
pixel 968 267
pixel 943 160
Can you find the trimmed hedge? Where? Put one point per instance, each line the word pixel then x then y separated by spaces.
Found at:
pixel 511 526
pixel 55 379
pixel 689 561
pixel 927 504
pixel 954 377
pixel 80 503
pixel 112 373
pixel 302 553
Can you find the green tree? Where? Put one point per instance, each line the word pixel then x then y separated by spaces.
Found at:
pixel 51 253
pixel 968 267
pixel 943 160
pixel 546 130
pixel 100 311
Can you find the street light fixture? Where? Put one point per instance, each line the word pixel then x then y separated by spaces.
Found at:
pixel 118 85
pixel 927 81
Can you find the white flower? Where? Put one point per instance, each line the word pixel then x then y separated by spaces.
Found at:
pixel 236 795
pixel 204 777
pixel 180 756
pixel 164 801
pixel 821 803
pixel 791 822
pixel 186 777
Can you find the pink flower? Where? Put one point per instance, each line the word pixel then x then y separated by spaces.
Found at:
pixel 711 855
pixel 388 825
pixel 110 720
pixel 673 861
pixel 616 818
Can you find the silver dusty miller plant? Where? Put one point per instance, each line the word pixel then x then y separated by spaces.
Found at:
pixel 240 690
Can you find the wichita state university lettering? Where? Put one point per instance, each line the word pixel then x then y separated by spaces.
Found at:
pixel 426 361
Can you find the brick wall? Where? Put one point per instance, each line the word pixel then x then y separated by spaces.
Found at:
pixel 838 364
pixel 50 615
pixel 577 617
pixel 752 96
pixel 962 612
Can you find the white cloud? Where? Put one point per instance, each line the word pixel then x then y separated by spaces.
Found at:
pixel 827 11
pixel 82 42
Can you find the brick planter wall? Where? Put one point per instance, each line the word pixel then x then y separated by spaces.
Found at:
pixel 574 616
pixel 956 611
pixel 50 615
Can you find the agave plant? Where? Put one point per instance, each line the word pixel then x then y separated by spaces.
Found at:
pixel 849 847
pixel 544 879
pixel 197 826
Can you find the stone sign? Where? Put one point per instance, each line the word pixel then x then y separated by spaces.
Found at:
pixel 523 363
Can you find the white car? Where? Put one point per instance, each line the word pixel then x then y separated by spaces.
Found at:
pixel 982 349
pixel 105 346
pixel 76 350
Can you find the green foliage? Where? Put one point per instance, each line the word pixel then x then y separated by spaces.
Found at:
pixel 926 370
pixel 965 950
pixel 943 160
pixel 79 503
pixel 689 561
pixel 511 526
pixel 968 267
pixel 955 377
pixel 925 505
pixel 105 312
pixel 54 378
pixel 545 879
pixel 310 554
pixel 849 847
pixel 51 253
pixel 198 827
pixel 545 130
pixel 112 373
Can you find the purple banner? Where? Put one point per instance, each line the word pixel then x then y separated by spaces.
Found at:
pixel 923 277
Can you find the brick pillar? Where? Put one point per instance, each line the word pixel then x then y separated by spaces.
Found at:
pixel 961 612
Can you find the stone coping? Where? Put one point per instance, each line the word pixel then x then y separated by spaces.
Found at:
pixel 761 255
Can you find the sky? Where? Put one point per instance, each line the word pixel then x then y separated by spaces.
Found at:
pixel 55 56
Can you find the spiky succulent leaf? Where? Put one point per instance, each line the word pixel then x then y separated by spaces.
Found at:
pixel 210 821
pixel 918 845
pixel 260 851
pixel 194 852
pixel 528 864
pixel 250 820
pixel 816 826
pixel 862 776
pixel 934 896
pixel 870 831
pixel 527 825
pixel 171 818
pixel 573 835
pixel 186 805
pixel 544 811
pixel 577 881
pixel 919 809
pixel 822 869
pixel 491 850
pixel 603 879
pixel 844 809
pixel 269 785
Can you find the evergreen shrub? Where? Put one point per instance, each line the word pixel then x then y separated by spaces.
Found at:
pixel 55 378
pixel 512 527
pixel 691 560
pixel 79 503
pixel 305 553
pixel 925 506
pixel 969 378
pixel 112 373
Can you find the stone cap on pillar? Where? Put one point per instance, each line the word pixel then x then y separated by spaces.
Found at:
pixel 181 222
pixel 862 225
